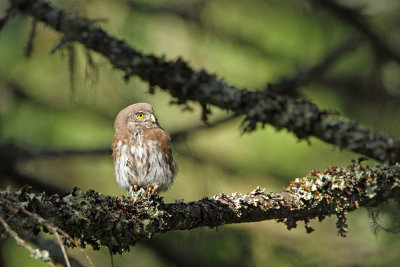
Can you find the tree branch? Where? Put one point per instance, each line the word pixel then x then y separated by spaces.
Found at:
pixel 173 256
pixel 118 222
pixel 353 17
pixel 191 13
pixel 11 153
pixel 4 20
pixel 35 253
pixel 54 250
pixel 368 91
pixel 304 77
pixel 32 33
pixel 17 178
pixel 302 118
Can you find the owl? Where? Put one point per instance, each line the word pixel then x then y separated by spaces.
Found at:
pixel 141 151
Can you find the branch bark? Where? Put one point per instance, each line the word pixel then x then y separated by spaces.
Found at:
pixel 118 222
pixel 303 118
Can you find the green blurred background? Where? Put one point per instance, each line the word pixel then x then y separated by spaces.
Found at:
pixel 249 44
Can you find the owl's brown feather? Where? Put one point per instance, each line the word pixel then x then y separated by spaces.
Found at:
pixel 163 139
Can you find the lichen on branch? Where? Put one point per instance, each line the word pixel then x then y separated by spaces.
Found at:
pixel 118 222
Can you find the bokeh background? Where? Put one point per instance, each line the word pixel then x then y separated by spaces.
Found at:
pixel 249 44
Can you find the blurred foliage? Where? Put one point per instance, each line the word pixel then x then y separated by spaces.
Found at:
pixel 248 43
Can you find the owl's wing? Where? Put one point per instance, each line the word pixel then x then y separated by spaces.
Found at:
pixel 162 139
pixel 118 142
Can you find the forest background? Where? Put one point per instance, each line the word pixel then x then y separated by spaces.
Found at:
pixel 61 105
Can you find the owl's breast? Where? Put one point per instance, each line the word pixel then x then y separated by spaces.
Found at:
pixel 153 166
pixel 144 159
pixel 125 170
pixel 144 165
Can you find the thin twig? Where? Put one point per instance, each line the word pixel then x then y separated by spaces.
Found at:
pixel 12 152
pixel 190 11
pixel 46 223
pixel 4 20
pixel 182 134
pixel 302 78
pixel 356 19
pixel 36 253
pixel 72 68
pixel 20 94
pixel 51 246
pixel 32 33
pixel 91 69
pixel 62 247
pixel 16 177
pixel 60 44
pixel 77 245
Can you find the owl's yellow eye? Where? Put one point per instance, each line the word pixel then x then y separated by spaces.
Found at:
pixel 140 115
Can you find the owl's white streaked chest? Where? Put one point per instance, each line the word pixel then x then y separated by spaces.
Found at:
pixel 142 164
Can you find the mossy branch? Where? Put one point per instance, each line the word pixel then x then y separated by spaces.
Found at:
pixel 118 222
pixel 303 118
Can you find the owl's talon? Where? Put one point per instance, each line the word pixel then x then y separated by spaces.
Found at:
pixel 152 190
pixel 132 189
pixel 135 188
pixel 155 189
pixel 149 190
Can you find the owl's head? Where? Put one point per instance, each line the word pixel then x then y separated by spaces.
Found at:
pixel 135 116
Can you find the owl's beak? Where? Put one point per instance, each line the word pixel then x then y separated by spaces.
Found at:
pixel 152 118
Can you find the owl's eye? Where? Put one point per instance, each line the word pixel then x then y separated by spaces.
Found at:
pixel 140 115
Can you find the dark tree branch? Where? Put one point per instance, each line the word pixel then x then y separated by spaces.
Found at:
pixel 54 249
pixel 173 256
pixel 118 222
pixel 191 13
pixel 35 253
pixel 182 134
pixel 300 117
pixel 11 153
pixel 4 20
pixel 72 68
pixel 366 90
pixel 19 93
pixel 353 16
pixel 202 160
pixel 2 261
pixel 186 11
pixel 304 77
pixel 32 33
pixel 21 179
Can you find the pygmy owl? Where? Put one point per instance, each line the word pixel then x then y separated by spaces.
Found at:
pixel 141 150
